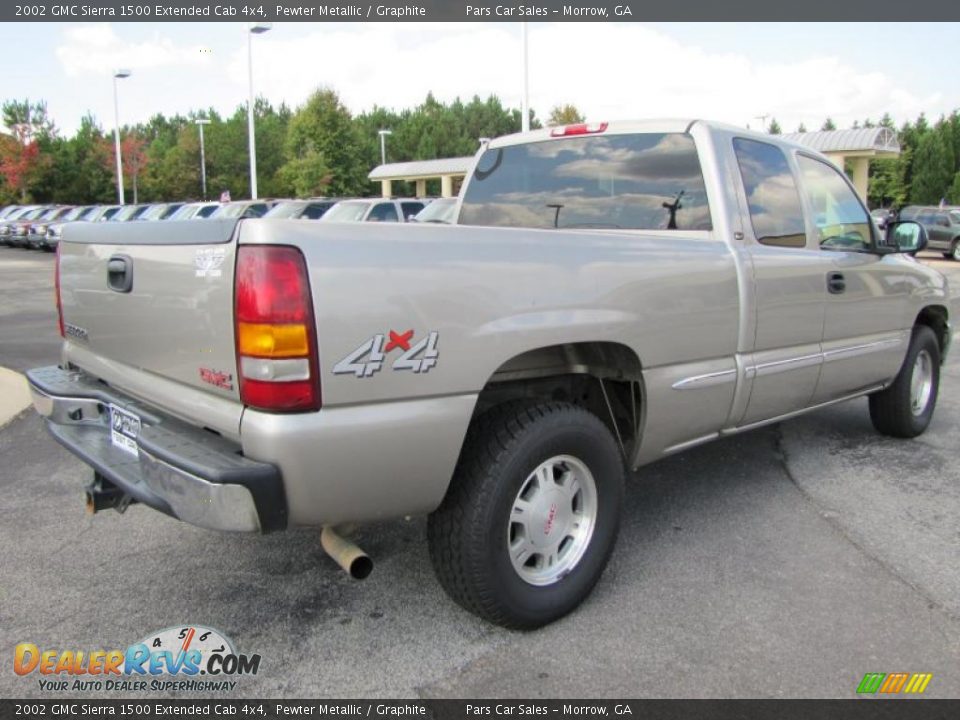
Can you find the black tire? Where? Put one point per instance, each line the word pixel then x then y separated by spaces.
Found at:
pixel 468 533
pixel 892 410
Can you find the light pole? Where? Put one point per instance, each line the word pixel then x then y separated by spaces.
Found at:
pixel 525 100
pixel 253 29
pixel 383 145
pixel 118 74
pixel 203 160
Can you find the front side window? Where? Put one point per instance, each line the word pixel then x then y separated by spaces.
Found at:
pixel 842 223
pixel 772 196
pixel 641 181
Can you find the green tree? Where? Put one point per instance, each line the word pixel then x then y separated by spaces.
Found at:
pixel 802 128
pixel 774 127
pixel 828 124
pixel 323 125
pixel 305 176
pixel 933 171
pixel 564 115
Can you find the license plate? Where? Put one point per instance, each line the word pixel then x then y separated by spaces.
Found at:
pixel 124 429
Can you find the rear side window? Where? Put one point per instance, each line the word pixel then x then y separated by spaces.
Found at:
pixel 643 181
pixel 772 196
pixel 383 212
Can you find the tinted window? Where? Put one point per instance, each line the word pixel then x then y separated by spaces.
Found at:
pixel 383 212
pixel 842 222
pixel 943 220
pixel 411 208
pixel 254 211
pixel 642 181
pixel 315 211
pixel 775 210
pixel 206 211
pixel 955 217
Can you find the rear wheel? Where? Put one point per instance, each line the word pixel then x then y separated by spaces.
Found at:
pixel 532 513
pixel 905 408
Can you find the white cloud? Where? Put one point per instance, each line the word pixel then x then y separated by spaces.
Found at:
pixel 95 48
pixel 610 71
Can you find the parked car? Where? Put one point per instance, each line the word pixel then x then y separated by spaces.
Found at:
pixel 312 209
pixel 127 213
pixel 610 295
pixel 20 230
pixel 9 210
pixel 159 211
pixel 24 213
pixel 374 210
pixel 37 233
pixel 194 211
pixel 239 209
pixel 942 225
pixel 441 210
pixel 96 214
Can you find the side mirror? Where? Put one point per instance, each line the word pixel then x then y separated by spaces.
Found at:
pixel 905 236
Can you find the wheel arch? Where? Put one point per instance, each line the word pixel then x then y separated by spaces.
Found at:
pixel 604 377
pixel 936 317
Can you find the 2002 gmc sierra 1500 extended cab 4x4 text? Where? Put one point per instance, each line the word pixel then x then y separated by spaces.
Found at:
pixel 611 294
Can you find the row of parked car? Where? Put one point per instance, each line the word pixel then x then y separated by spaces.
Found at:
pixel 40 226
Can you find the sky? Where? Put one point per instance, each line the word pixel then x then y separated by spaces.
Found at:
pixel 736 73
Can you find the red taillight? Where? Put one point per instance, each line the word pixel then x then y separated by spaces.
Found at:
pixel 275 333
pixel 578 129
pixel 56 285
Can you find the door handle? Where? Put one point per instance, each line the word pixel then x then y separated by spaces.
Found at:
pixel 836 283
pixel 120 273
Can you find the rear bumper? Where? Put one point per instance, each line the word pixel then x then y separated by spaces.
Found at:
pixel 181 470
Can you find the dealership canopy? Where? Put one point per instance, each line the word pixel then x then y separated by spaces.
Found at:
pixel 419 171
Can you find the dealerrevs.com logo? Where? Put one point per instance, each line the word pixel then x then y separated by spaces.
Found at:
pixel 186 658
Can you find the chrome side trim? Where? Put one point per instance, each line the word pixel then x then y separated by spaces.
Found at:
pixel 691 443
pixel 705 380
pixel 778 366
pixel 795 413
pixel 856 350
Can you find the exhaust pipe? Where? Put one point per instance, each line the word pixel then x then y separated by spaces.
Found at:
pixel 102 494
pixel 355 561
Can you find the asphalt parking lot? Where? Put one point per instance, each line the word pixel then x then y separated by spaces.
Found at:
pixel 786 562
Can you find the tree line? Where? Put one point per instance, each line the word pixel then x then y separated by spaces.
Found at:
pixel 321 148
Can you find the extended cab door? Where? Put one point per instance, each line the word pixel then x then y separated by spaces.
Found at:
pixel 789 278
pixel 867 324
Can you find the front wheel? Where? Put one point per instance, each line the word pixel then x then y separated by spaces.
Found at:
pixel 955 250
pixel 905 409
pixel 532 513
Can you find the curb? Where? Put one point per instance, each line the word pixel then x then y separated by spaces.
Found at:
pixel 14 395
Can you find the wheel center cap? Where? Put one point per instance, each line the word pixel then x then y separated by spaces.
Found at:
pixel 550 524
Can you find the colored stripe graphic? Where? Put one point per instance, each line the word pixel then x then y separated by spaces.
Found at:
pixel 893 683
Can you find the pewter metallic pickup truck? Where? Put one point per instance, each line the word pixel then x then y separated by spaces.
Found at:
pixel 611 294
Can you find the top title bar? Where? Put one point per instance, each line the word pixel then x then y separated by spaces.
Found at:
pixel 447 11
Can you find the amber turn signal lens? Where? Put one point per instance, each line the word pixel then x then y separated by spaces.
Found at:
pixel 272 341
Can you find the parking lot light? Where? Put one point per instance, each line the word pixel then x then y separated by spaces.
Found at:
pixel 203 160
pixel 118 74
pixel 383 145
pixel 253 29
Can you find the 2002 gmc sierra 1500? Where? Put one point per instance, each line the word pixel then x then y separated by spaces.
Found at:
pixel 611 294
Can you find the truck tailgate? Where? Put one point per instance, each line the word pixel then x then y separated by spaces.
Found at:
pixel 154 296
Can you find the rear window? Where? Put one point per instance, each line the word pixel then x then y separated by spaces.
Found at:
pixel 411 208
pixel 645 181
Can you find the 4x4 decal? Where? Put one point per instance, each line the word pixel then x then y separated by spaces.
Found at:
pixel 368 359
